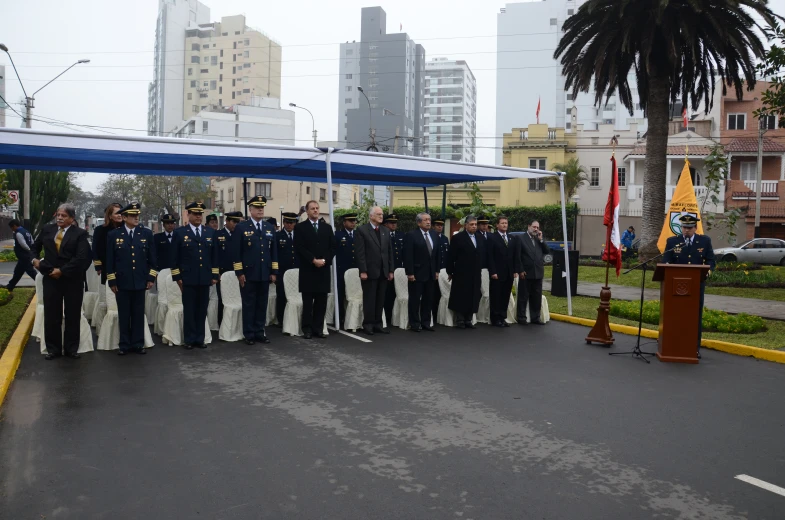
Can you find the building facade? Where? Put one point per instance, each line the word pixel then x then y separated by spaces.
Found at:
pixel 2 93
pixel 450 124
pixel 527 74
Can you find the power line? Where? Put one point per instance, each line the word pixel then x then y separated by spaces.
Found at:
pixel 12 108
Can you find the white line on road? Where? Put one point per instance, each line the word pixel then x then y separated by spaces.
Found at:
pixel 355 336
pixel 761 484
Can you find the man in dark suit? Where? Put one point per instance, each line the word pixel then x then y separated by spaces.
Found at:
pixel 287 259
pixel 345 254
pixel 503 268
pixel 163 242
pixel 532 254
pixel 692 249
pixel 375 262
pixel 421 261
pixel 130 273
pixel 256 266
pixel 464 268
pixel 315 247
pixel 66 258
pixel 396 239
pixel 195 269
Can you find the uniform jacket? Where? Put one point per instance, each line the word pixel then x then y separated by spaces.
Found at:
pixel 503 259
pixel 699 253
pixel 532 256
pixel 310 244
pixel 225 255
pixel 344 250
pixel 416 259
pixel 130 264
pixel 287 258
pixel 444 250
pixel 194 261
pixel 255 254
pixel 21 253
pixel 73 259
pixel 374 253
pixel 163 250
pixel 397 238
pixel 486 247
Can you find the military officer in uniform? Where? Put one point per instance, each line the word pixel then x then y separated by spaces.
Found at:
pixel 212 221
pixel 130 273
pixel 287 259
pixel 396 239
pixel 344 254
pixel 691 248
pixel 163 242
pixel 225 261
pixel 195 269
pixel 255 255
pixel 482 234
pixel 444 250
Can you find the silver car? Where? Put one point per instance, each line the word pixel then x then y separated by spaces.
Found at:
pixel 756 251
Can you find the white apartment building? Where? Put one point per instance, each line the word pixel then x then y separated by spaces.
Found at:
pixel 2 93
pixel 450 127
pixel 527 73
pixel 348 81
pixel 165 92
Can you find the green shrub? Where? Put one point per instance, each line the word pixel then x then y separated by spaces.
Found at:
pixel 713 320
pixel 5 296
pixel 763 278
pixel 7 256
pixel 738 266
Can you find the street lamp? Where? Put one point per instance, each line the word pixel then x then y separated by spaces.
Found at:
pixel 371 134
pixel 313 124
pixel 29 100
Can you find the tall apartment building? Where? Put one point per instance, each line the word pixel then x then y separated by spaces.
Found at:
pixel 527 36
pixel 450 124
pixel 2 93
pixel 165 92
pixel 228 63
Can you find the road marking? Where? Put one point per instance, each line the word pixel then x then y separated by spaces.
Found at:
pixel 761 484
pixel 355 336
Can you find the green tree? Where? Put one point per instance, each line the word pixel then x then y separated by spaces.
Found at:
pixel 676 49
pixel 717 166
pixel 477 206
pixel 363 208
pixel 160 194
pixel 4 198
pixel 574 176
pixel 47 191
pixel 773 69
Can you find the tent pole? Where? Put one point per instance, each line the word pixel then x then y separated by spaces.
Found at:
pixel 334 266
pixel 425 197
pixel 566 243
pixel 245 195
pixel 444 201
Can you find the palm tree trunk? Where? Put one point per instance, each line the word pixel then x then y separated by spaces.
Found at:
pixel 654 177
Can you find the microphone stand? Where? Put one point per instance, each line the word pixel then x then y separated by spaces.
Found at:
pixel 637 352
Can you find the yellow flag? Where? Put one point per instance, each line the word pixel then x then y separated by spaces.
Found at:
pixel 683 202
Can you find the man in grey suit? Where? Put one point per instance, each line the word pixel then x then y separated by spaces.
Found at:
pixel 373 254
pixel 532 255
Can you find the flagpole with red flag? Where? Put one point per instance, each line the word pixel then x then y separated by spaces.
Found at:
pixel 538 110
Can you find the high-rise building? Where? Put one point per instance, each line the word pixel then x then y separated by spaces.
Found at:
pixel 450 125
pixel 165 92
pixel 527 74
pixel 228 63
pixel 2 93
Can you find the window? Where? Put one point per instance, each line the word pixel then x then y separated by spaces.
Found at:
pixel 220 91
pixel 231 195
pixel 232 95
pixel 768 122
pixel 347 100
pixel 749 171
pixel 220 77
pixel 193 83
pixel 203 95
pixel 236 32
pixel 234 81
pixel 204 71
pixel 234 70
pixel 190 72
pixel 307 190
pixel 246 65
pixel 206 46
pixel 569 111
pixel 349 88
pixel 234 57
pixel 553 21
pixel 190 96
pixel 194 46
pixel 335 197
pixel 194 59
pixel 622 177
pixel 595 141
pixel 204 127
pixel 237 130
pixel 225 34
pixel 213 60
pixel 348 76
pixel 213 84
pixel 536 184
pixel 570 97
pixel 206 84
pixel 322 194
pixel 247 42
pixel 594 178
pixel 570 12
pixel 246 54
pixel 263 188
pixel 222 53
pixel 194 108
pixel 349 52
pixel 206 59
pixel 736 121
pixel 246 91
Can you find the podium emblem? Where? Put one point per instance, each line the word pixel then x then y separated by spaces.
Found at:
pixel 681 286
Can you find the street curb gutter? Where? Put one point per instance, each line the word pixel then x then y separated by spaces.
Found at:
pixel 723 346
pixel 16 346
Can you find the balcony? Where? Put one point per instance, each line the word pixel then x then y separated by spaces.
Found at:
pixel 745 190
pixel 700 192
pixel 766 186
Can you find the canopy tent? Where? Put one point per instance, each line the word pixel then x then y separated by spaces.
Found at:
pixel 42 150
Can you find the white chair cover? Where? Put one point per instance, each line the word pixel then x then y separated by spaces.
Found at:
pixel 91 296
pixel 38 323
pixel 272 297
pixel 484 311
pixel 400 314
pixel 512 312
pixel 100 309
pixel 293 312
pixel 212 308
pixel 151 305
pixel 161 308
pixel 109 335
pixel 232 323
pixel 353 314
pixel 173 324
pixel 329 315
pixel 444 315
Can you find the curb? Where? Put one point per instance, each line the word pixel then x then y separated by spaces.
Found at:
pixel 736 349
pixel 12 355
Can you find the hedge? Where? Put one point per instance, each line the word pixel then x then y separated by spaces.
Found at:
pixel 713 320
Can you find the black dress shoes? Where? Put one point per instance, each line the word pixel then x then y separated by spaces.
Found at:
pixel 523 323
pixel 381 330
pixel 470 325
pixel 368 330
pixel 188 346
pixel 249 341
pixel 461 325
pixel 141 351
pixel 121 352
pixel 499 324
pixel 429 329
pixel 50 357
pixel 415 328
pixel 307 335
pixel 263 339
pixel 537 323
pixel 320 335
pixel 200 345
pixel 73 355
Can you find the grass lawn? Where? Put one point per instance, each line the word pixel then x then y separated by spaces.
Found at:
pixel 585 307
pixel 11 313
pixel 597 275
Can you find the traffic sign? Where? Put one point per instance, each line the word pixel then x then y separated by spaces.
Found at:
pixel 14 196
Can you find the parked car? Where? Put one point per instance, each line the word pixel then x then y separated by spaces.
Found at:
pixel 756 251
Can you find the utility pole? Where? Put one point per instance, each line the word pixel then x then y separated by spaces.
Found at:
pixel 26 196
pixel 395 151
pixel 759 175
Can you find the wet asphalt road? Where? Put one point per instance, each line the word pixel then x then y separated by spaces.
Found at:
pixel 485 424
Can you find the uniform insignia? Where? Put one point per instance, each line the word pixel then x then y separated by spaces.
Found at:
pixel 208 239
pixel 222 238
pixel 186 238
pixel 269 233
pixel 143 240
pixel 700 250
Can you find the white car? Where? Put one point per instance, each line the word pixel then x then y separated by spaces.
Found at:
pixel 756 251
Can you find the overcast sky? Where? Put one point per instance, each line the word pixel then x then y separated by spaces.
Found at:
pixel 46 36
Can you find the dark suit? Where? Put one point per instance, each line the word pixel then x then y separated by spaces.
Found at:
pixel 63 297
pixel 314 282
pixel 698 252
pixel 163 248
pixel 484 238
pixel 287 259
pixel 374 256
pixel 532 254
pixel 504 262
pixel 424 266
pixel 464 264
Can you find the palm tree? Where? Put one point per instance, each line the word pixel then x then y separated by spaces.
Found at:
pixel 676 49
pixel 574 176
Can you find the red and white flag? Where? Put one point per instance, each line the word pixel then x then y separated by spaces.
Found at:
pixel 684 116
pixel 538 111
pixel 612 252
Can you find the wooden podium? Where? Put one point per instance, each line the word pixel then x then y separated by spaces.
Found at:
pixel 680 292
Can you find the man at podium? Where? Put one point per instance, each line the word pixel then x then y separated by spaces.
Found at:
pixel 691 248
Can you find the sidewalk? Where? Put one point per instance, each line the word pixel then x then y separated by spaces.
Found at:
pixel 769 309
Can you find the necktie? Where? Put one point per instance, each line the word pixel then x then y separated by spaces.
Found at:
pixel 131 235
pixel 428 243
pixel 290 236
pixel 198 234
pixel 474 241
pixel 169 238
pixel 504 236
pixel 392 235
pixel 59 239
pixel 259 227
pixel 316 227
